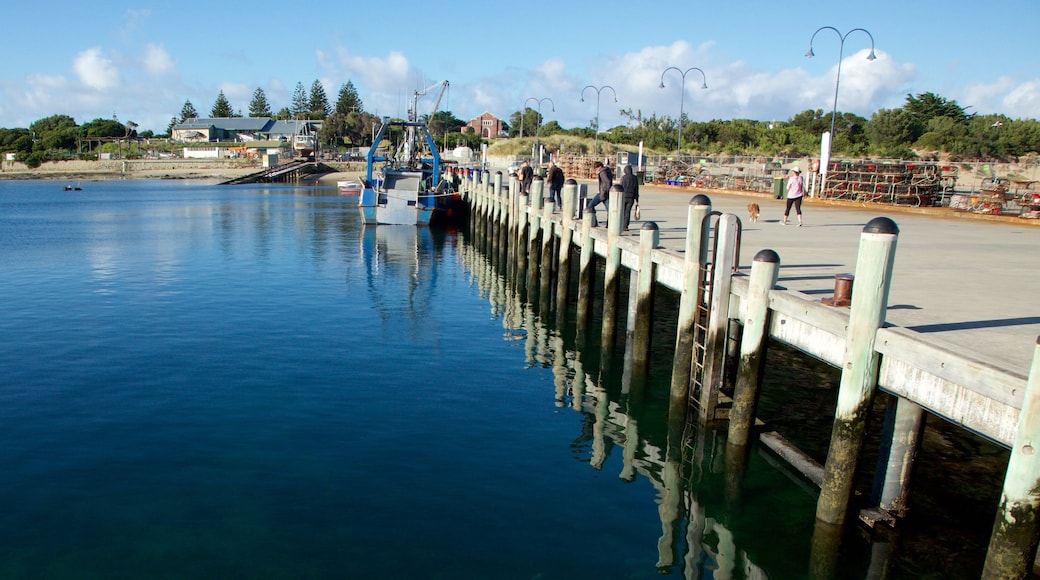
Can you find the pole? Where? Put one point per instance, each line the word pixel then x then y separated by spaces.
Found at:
pixel 682 95
pixel 597 89
pixel 837 80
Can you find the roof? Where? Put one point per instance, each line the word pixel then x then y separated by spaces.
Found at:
pixel 226 123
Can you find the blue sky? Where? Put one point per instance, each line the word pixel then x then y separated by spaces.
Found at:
pixel 141 61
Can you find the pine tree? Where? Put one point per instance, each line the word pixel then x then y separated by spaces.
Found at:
pixel 188 112
pixel 318 105
pixel 221 108
pixel 259 106
pixel 299 101
pixel 348 101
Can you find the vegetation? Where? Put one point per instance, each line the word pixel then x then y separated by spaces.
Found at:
pixel 927 125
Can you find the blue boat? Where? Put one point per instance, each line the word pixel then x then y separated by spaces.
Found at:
pixel 403 184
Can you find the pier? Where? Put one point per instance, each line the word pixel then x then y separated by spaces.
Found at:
pixel 942 321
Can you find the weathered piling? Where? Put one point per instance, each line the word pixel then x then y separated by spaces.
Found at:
pixel 612 272
pixel 764 271
pixel 548 240
pixel 649 238
pixel 859 370
pixel 1012 545
pixel 586 271
pixel 693 259
pixel 563 278
pixel 724 264
pixel 901 435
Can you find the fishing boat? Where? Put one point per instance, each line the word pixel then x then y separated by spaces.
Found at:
pixel 403 184
pixel 349 188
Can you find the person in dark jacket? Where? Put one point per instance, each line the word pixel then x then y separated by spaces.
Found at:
pixel 605 179
pixel 630 185
pixel 555 185
pixel 526 175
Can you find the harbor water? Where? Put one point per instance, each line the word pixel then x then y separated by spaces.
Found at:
pixel 244 381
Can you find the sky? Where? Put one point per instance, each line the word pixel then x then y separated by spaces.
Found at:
pixel 141 61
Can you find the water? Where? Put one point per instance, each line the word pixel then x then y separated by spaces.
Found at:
pixel 206 381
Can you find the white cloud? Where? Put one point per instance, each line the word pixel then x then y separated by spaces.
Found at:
pixel 156 60
pixel 96 71
pixel 1023 101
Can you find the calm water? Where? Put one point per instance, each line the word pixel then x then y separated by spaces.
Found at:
pixel 206 381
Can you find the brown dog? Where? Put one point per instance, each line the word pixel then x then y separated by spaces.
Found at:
pixel 752 212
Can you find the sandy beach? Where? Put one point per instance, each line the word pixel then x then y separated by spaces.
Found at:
pixel 218 170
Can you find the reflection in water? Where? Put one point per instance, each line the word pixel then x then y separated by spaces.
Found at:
pixel 401 274
pixel 725 512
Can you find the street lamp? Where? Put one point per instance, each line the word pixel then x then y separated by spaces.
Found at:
pixel 682 95
pixel 837 77
pixel 538 132
pixel 597 89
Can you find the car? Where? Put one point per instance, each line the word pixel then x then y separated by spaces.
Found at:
pixel 515 166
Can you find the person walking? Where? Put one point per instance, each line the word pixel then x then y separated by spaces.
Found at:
pixel 630 185
pixel 605 179
pixel 795 191
pixel 526 175
pixel 555 185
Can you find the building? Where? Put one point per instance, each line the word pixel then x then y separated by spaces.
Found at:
pixel 241 130
pixel 487 126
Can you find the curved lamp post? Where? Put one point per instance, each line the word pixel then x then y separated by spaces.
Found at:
pixel 682 95
pixel 841 50
pixel 597 89
pixel 538 132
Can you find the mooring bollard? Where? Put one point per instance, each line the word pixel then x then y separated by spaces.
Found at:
pixel 859 370
pixel 586 278
pixel 842 291
pixel 563 281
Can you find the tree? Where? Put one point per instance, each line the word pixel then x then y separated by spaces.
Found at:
pixel 188 112
pixel 103 128
pixel 52 123
pixel 221 108
pixel 348 100
pixel 318 103
pixel 299 104
pixel 927 106
pixel 891 131
pixel 259 107
pixel 283 114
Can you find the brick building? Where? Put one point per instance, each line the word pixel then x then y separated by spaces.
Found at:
pixel 487 126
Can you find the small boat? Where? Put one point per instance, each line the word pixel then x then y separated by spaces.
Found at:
pixel 404 185
pixel 73 188
pixel 349 188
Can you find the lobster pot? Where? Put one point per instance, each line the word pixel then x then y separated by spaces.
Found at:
pixel 960 201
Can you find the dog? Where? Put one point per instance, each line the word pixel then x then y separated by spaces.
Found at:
pixel 752 212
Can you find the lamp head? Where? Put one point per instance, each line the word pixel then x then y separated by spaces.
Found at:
pixel 583 99
pixel 704 86
pixel 872 56
pixel 662 85
pixel 810 53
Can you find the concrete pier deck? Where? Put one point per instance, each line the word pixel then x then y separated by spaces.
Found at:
pixel 968 283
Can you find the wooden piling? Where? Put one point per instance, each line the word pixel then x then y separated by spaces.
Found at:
pixel 1012 545
pixel 693 259
pixel 727 243
pixel 563 281
pixel 901 436
pixel 586 275
pixel 612 271
pixel 764 271
pixel 859 369
pixel 649 239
